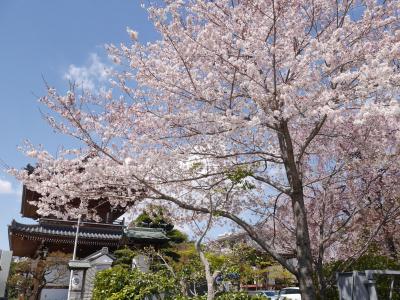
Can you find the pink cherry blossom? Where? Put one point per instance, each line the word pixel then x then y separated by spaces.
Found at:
pixel 281 117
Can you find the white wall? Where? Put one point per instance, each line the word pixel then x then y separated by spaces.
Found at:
pixel 54 294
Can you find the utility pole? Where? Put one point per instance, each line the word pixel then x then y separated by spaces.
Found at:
pixel 74 255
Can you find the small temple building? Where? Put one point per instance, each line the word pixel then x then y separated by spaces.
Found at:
pixel 53 235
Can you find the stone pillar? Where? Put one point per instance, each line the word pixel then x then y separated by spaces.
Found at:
pixel 77 282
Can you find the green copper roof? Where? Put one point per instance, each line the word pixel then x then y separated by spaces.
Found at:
pixel 143 233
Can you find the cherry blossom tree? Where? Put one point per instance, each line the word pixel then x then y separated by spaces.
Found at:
pixel 279 116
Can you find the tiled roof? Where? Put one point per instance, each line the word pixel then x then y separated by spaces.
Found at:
pixel 97 254
pixel 66 230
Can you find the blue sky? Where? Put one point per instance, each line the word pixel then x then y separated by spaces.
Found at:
pixel 56 40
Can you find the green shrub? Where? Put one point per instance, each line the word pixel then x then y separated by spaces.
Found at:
pixel 124 257
pixel 119 283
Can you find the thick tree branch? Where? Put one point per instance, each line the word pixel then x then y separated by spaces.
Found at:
pixel 309 139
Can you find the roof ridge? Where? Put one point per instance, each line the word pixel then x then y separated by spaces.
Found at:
pixel 146 229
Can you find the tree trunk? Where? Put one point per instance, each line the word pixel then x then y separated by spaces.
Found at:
pixel 35 269
pixel 184 288
pixel 321 277
pixel 207 269
pixel 321 251
pixel 303 249
pixel 38 279
pixel 39 291
pixel 35 290
pixel 305 270
pixel 209 277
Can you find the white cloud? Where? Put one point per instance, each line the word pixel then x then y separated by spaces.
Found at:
pixel 95 72
pixel 5 187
